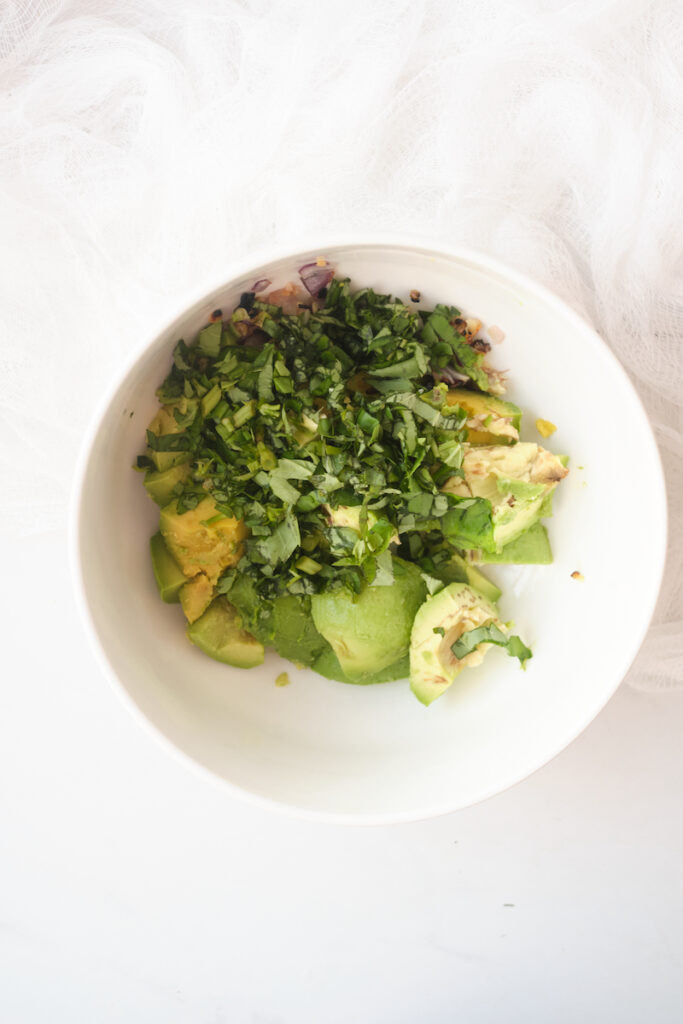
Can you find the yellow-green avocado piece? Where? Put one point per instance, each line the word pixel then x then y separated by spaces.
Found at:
pixel 348 516
pixel 439 622
pixel 371 630
pixel 490 420
pixel 530 548
pixel 165 422
pixel 516 479
pixel 196 596
pixel 161 484
pixel 219 633
pixel 457 570
pixel 168 574
pixel 327 664
pixel 199 545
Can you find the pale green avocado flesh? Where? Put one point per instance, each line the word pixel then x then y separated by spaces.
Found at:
pixel 219 633
pixel 457 570
pixel 168 574
pixel 490 420
pixel 530 548
pixel 517 480
pixel 439 622
pixel 166 422
pixel 196 596
pixel 372 632
pixel 161 485
pixel 327 664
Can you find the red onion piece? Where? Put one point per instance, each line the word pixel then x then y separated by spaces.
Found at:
pixel 261 285
pixel 449 376
pixel 314 276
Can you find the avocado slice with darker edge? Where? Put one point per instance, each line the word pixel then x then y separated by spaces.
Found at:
pixel 439 622
pixel 168 574
pixel 530 548
pixel 371 630
pixel 161 484
pixel 499 421
pixel 327 664
pixel 457 570
pixel 196 596
pixel 219 633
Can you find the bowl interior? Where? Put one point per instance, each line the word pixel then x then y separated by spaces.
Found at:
pixel 374 753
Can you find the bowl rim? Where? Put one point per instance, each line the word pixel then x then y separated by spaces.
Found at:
pixel 233 270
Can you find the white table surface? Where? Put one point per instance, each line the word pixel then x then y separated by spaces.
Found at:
pixel 134 890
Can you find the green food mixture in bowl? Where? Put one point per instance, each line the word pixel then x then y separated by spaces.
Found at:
pixel 327 461
pixel 347 480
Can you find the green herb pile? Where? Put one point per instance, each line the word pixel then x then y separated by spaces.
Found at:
pixel 289 416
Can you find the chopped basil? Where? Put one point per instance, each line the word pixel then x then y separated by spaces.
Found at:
pixel 490 634
pixel 287 416
pixel 210 339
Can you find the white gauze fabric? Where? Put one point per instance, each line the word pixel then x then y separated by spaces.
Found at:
pixel 145 143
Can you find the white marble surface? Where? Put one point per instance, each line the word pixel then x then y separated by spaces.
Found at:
pixel 133 890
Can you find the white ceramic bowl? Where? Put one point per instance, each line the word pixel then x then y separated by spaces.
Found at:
pixel 374 754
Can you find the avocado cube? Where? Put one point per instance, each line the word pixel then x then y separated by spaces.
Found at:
pixel 165 422
pixel 201 539
pixel 371 630
pixel 530 548
pixel 161 485
pixel 515 480
pixel 168 574
pixel 490 420
pixel 196 596
pixel 439 622
pixel 457 570
pixel 219 633
pixel 327 664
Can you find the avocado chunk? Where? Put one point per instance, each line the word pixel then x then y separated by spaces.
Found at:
pixel 531 548
pixel 327 664
pixel 197 543
pixel 161 484
pixel 219 633
pixel 490 420
pixel 516 480
pixel 347 517
pixel 168 574
pixel 196 596
pixel 442 620
pixel 166 422
pixel 371 630
pixel 295 635
pixel 457 570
